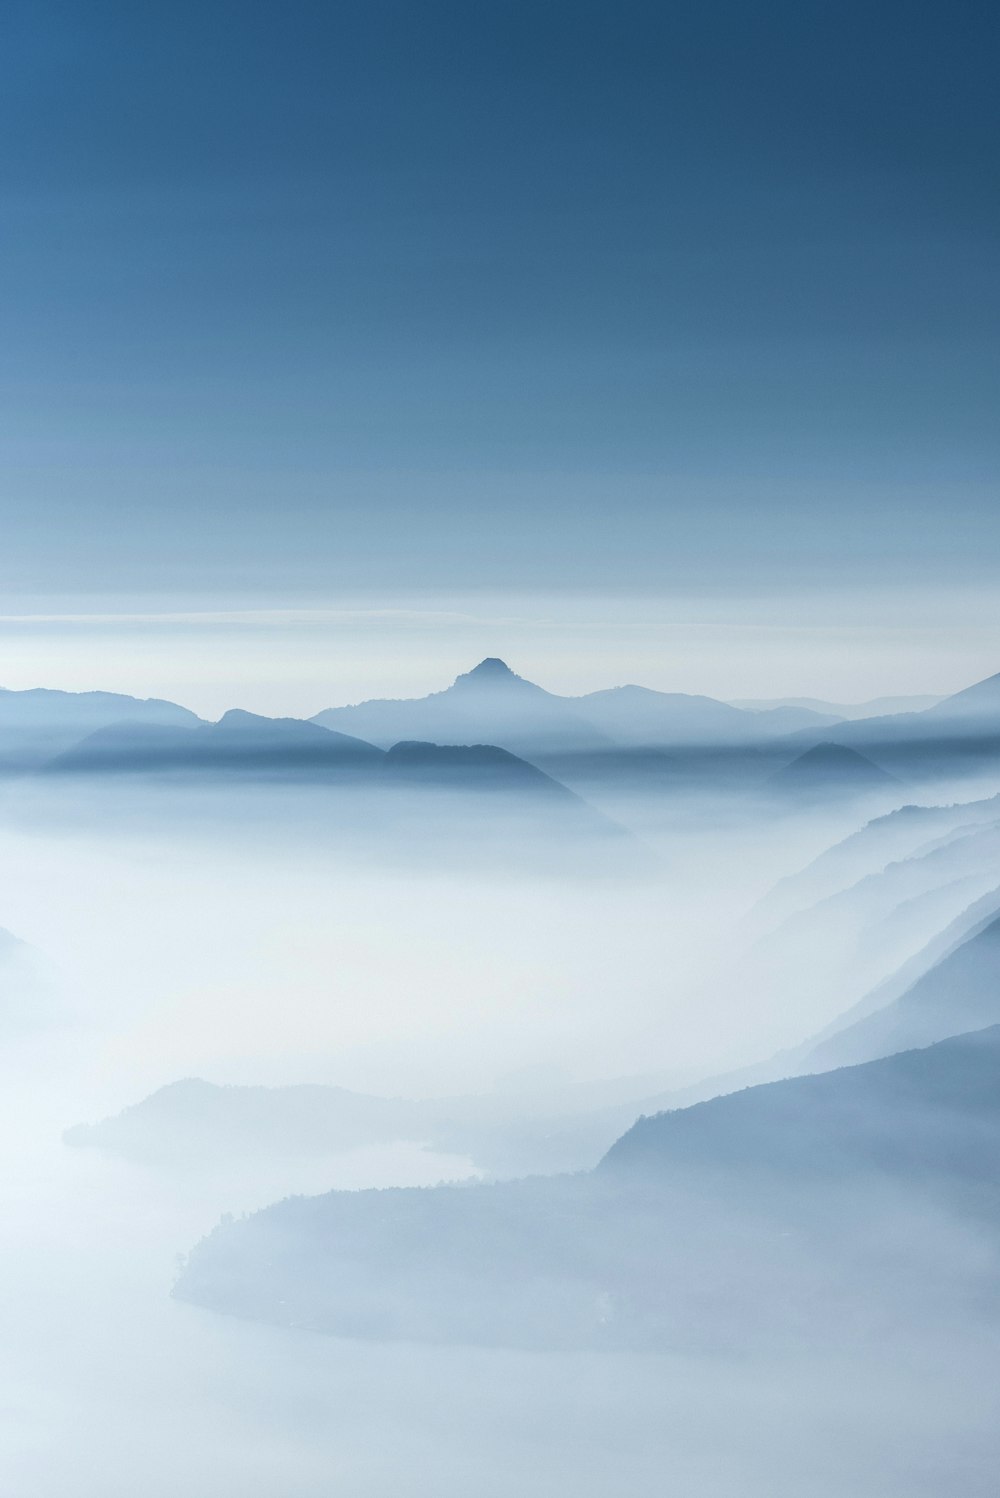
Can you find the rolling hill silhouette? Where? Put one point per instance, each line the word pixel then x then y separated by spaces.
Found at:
pixel 37 724
pixel 823 1206
pixel 238 741
pixel 829 770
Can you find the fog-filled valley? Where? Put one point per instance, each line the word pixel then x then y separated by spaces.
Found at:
pixel 622 1068
pixel 499 750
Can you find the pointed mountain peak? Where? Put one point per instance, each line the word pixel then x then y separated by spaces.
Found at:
pixel 491 672
pixel 491 666
pixel 983 697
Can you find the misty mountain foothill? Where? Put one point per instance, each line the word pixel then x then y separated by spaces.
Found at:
pixel 828 1206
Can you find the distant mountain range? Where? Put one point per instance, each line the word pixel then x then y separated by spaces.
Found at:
pixel 875 708
pixel 244 744
pixel 238 741
pixel 634 733
pixel 961 729
pixel 627 730
pixel 39 724
pixel 492 704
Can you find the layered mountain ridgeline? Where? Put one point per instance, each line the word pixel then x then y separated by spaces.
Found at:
pixel 634 740
pixel 960 734
pixel 492 704
pixel 245 742
pixel 38 724
pixel 959 992
pixel 638 717
pixel 239 741
pixel 630 735
pixel 247 775
pixel 875 707
pixel 950 986
pixel 899 834
pixel 970 920
pixel 842 1205
pixel 854 939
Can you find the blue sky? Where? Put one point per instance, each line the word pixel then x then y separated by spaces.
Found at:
pixel 316 303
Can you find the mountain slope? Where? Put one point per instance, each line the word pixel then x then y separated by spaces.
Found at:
pixel 921 1113
pixel 960 992
pixel 35 725
pixel 851 1203
pixel 239 741
pixel 638 718
pixel 486 705
pixel 831 769
pixel 491 704
pixel 952 736
pixel 978 704
pixel 887 839
pixel 957 998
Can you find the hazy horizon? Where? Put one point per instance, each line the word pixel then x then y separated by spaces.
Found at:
pixel 297 660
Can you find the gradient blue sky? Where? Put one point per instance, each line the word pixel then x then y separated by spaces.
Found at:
pixel 346 306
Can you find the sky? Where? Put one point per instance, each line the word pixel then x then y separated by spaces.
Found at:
pixel 613 315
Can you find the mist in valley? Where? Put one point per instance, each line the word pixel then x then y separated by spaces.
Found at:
pixel 246 991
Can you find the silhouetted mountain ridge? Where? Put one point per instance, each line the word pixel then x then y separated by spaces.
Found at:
pixel 492 703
